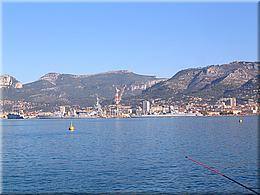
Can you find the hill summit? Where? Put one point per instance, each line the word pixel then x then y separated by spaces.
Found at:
pixel 55 89
pixel 214 81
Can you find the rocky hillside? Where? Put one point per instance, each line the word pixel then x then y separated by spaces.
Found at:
pixel 66 89
pixel 234 79
pixel 7 81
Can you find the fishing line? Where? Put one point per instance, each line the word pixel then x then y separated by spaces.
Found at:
pixel 221 174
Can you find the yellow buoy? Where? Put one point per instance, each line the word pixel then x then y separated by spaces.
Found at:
pixel 71 127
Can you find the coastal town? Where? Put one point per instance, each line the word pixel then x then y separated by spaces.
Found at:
pixel 227 89
pixel 129 97
pixel 155 108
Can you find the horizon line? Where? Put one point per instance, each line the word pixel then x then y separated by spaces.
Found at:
pixel 126 71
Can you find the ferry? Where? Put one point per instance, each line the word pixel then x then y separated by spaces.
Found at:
pixel 14 116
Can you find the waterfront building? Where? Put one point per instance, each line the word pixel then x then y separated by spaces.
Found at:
pixel 233 102
pixel 137 111
pixel 146 107
pixel 62 110
pixel 228 102
pixel 156 109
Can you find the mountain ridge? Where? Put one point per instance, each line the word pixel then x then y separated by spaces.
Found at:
pixel 57 89
pixel 236 79
pixel 203 81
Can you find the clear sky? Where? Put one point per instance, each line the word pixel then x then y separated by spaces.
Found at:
pixel 147 38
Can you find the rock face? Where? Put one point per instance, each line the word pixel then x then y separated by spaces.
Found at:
pixel 51 77
pixel 7 81
pixel 211 81
pixel 66 89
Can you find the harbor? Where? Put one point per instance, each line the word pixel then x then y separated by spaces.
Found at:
pixel 138 154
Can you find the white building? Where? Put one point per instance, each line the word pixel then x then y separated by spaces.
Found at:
pixel 233 102
pixel 62 110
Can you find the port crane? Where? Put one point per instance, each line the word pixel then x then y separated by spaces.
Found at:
pixel 118 97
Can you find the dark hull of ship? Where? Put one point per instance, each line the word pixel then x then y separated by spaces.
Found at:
pixel 14 116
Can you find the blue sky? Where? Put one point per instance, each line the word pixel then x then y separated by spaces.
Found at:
pixel 147 38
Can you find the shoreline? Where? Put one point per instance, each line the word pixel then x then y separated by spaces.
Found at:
pixel 133 117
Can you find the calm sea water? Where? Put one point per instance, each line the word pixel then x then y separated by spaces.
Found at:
pixel 129 155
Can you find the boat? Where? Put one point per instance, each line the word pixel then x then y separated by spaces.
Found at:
pixel 14 116
pixel 71 127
